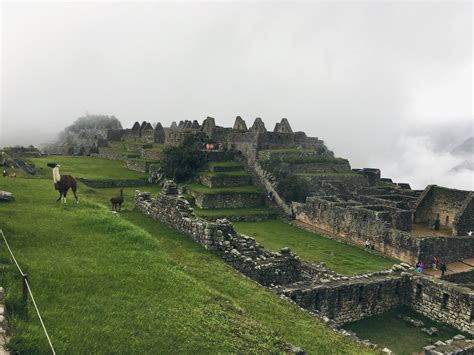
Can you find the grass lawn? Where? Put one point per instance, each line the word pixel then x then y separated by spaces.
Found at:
pixel 93 168
pixel 225 173
pixel 128 284
pixel 389 331
pixel 342 258
pixel 225 163
pixel 223 190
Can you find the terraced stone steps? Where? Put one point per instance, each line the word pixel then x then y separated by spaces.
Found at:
pixel 217 167
pixel 226 197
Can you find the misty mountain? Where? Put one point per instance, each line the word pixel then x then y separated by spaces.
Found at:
pixel 465 165
pixel 465 148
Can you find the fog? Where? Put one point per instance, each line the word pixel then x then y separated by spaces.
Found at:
pixel 384 84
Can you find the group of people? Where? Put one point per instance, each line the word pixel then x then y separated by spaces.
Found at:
pixel 436 264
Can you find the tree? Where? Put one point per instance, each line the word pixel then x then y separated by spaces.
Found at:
pixel 290 188
pixel 182 162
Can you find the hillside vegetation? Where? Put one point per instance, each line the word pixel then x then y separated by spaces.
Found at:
pixel 128 284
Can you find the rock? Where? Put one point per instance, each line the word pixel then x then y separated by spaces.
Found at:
pixel 6 196
pixel 387 351
pixel 459 337
pixel 295 350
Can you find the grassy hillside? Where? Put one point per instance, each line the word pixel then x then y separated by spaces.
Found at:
pixel 342 258
pixel 128 284
pixel 86 167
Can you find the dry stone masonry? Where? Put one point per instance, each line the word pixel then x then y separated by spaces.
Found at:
pixel 314 287
pixel 241 252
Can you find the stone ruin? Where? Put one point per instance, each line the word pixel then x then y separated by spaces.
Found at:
pixel 335 298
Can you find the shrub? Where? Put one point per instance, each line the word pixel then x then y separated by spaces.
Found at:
pixel 182 162
pixel 290 188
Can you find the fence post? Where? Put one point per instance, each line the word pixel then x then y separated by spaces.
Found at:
pixel 25 286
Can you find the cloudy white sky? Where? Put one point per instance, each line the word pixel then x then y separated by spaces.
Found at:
pixel 386 84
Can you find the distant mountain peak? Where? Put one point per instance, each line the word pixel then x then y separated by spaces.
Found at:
pixel 465 148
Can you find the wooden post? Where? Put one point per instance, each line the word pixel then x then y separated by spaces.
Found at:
pixel 25 286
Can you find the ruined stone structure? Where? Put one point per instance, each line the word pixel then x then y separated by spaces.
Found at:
pixel 391 219
pixel 312 286
pixel 241 252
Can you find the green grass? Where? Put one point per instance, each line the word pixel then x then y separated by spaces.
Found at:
pixel 342 258
pixel 225 173
pixel 232 211
pixel 128 284
pixel 389 331
pixel 224 163
pixel 93 168
pixel 223 190
pixel 156 147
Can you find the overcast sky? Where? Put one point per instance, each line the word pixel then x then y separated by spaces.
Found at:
pixel 378 81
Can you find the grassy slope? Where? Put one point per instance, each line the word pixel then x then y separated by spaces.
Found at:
pixel 224 163
pixel 87 167
pixel 388 330
pixel 108 284
pixel 342 258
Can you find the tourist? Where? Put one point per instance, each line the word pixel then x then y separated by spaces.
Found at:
pixel 420 266
pixel 270 195
pixel 443 268
pixel 367 243
pixel 435 262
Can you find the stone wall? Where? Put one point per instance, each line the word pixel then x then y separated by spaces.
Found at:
pixel 352 299
pixel 441 301
pixel 230 200
pixel 441 201
pixel 314 182
pixel 358 223
pixel 458 345
pixel 225 180
pixel 111 154
pixel 138 165
pixel 465 278
pixel 464 220
pixel 348 299
pixel 113 183
pixel 450 249
pixel 386 227
pixel 241 252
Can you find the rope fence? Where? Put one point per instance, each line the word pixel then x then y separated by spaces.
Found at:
pixel 27 290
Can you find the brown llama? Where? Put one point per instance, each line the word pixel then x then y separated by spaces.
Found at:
pixel 63 183
pixel 117 201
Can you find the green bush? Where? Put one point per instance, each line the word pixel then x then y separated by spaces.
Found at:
pixel 290 188
pixel 182 162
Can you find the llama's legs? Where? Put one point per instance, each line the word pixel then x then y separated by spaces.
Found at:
pixel 60 195
pixel 74 192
